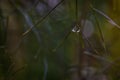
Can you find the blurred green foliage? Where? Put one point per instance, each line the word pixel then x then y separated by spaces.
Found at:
pixel 58 46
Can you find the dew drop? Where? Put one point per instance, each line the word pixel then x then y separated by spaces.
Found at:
pixel 76 29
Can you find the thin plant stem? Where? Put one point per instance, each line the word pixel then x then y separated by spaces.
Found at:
pixel 44 17
pixel 38 22
pixel 101 34
pixel 76 2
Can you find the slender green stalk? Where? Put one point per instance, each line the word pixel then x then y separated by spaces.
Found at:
pixel 101 34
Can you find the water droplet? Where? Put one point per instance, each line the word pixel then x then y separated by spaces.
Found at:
pixel 76 29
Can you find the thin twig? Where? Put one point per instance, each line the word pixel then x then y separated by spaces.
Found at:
pixel 39 21
pixel 62 41
pixel 91 45
pixel 103 59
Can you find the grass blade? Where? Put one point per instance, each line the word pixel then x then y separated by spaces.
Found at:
pixel 111 21
pixel 99 28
